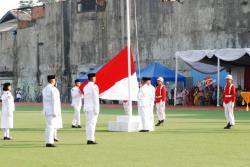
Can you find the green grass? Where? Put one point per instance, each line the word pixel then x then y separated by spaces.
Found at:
pixel 188 139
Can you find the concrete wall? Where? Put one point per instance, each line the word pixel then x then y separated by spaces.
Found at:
pixel 66 43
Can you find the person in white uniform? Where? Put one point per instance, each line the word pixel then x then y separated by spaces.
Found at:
pixel 59 123
pixel 144 104
pixel 52 110
pixel 91 107
pixel 152 103
pixel 8 107
pixel 76 103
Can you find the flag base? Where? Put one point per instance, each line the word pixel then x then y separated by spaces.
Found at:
pixel 125 124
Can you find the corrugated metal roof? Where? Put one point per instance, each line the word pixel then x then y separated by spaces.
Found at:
pixel 8 26
pixel 24 15
pixel 20 14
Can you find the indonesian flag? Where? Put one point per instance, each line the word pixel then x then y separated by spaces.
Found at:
pixel 112 78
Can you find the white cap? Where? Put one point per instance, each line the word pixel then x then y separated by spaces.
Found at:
pixel 160 79
pixel 229 77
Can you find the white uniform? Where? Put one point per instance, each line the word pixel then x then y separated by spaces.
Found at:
pixel 52 112
pixel 8 107
pixel 144 106
pixel 91 108
pixel 151 113
pixel 76 103
pixel 59 123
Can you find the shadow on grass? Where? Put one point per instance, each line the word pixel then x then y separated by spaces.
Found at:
pixel 202 131
pixel 103 130
pixel 23 145
pixel 28 130
pixel 30 144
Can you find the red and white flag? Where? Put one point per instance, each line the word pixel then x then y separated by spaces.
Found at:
pixel 112 78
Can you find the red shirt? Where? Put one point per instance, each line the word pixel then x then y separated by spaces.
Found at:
pixel 229 93
pixel 160 93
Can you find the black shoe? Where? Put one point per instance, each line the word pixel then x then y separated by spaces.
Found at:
pixel 7 138
pixel 56 140
pixel 158 124
pixel 50 145
pixel 144 131
pixel 228 126
pixel 73 126
pixel 91 142
pixel 79 126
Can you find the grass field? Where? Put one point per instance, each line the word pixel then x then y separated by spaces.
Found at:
pixel 188 139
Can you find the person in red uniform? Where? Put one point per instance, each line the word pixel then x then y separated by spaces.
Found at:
pixel 160 100
pixel 228 102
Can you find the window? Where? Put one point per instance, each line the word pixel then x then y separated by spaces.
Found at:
pixel 86 6
pixel 91 5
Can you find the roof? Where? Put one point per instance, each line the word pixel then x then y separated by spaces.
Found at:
pixel 8 26
pixel 229 57
pixel 156 70
pixel 9 21
pixel 17 14
pixel 204 68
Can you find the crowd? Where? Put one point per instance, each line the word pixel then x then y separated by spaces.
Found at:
pixel 202 96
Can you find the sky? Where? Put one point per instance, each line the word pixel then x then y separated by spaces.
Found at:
pixel 6 5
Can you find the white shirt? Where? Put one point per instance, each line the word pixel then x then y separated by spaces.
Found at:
pixel 8 105
pixel 76 97
pixel 144 95
pixel 152 95
pixel 51 101
pixel 91 98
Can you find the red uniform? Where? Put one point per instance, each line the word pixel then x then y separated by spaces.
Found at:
pixel 160 94
pixel 229 93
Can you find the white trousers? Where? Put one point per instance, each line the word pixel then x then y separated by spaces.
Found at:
pixel 151 119
pixel 77 116
pixel 50 129
pixel 91 120
pixel 229 112
pixel 160 109
pixel 55 134
pixel 144 114
pixel 6 132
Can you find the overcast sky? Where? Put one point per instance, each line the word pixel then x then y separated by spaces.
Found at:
pixel 6 5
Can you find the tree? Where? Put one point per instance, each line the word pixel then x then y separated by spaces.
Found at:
pixel 26 3
pixel 47 1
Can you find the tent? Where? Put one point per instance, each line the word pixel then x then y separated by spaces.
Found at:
pixel 155 70
pixel 84 77
pixel 227 58
pixel 204 68
pixel 199 76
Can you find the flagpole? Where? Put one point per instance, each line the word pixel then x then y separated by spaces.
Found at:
pixel 129 60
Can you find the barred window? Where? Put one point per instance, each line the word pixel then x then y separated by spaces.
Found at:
pixel 91 5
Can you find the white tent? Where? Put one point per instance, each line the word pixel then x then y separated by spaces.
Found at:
pixel 203 67
pixel 228 58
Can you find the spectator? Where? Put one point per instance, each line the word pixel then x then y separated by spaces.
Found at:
pixel 18 95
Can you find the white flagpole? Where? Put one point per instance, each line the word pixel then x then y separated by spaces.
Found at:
pixel 129 60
